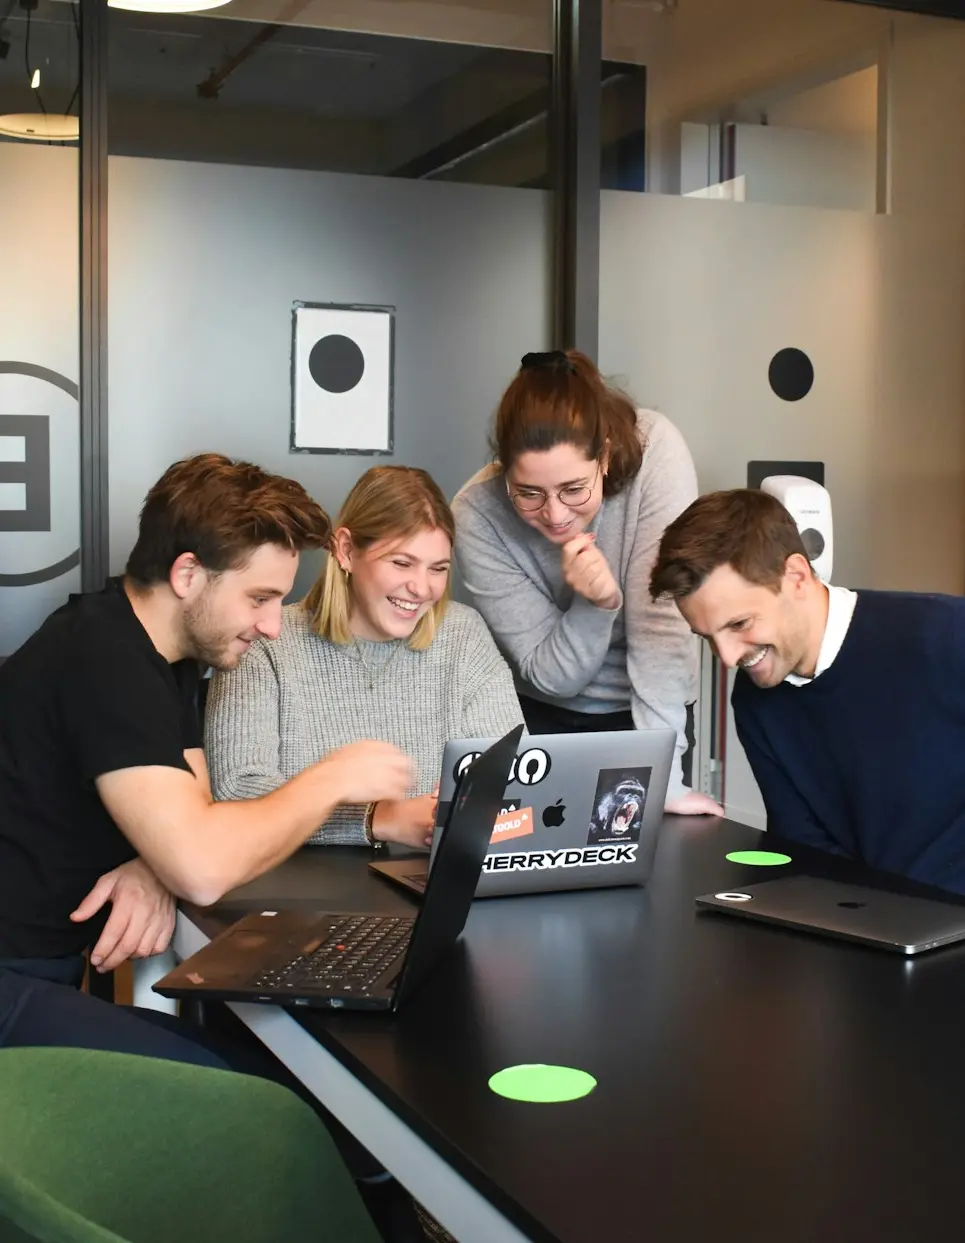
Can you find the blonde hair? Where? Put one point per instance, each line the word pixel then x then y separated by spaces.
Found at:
pixel 388 502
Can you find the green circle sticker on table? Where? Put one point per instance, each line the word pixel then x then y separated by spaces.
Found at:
pixel 539 1084
pixel 758 858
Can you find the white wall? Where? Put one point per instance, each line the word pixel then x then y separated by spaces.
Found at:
pixel 39 326
pixel 806 168
pixel 696 296
pixel 785 166
pixel 845 105
pixel 206 262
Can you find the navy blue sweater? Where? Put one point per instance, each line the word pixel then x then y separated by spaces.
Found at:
pixel 868 760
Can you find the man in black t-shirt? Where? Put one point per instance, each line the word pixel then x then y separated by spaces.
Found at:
pixel 106 815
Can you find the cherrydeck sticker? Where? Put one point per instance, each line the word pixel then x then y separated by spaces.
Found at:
pixel 621 795
pixel 579 857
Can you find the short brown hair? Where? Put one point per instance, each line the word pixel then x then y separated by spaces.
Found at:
pixel 747 529
pixel 388 502
pixel 561 398
pixel 221 511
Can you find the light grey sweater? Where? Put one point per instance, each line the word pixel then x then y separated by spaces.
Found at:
pixel 562 648
pixel 291 701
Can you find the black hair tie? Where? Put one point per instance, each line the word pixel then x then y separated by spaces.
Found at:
pixel 552 360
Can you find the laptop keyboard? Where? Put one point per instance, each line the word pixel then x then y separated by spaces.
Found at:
pixel 357 952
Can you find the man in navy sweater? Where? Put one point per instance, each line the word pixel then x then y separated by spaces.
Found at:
pixel 850 706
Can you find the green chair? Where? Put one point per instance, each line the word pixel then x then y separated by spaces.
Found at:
pixel 102 1147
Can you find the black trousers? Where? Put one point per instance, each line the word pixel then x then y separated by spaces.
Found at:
pixel 546 718
pixel 41 1004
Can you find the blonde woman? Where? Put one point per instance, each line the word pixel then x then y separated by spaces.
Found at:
pixel 376 650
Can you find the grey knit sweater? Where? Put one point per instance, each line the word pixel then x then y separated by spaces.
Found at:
pixel 291 701
pixel 564 649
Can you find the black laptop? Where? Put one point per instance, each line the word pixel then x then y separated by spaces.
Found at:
pixel 339 960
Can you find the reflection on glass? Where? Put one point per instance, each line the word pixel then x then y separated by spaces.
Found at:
pixel 762 102
pixel 39 71
pixel 273 92
pixel 810 147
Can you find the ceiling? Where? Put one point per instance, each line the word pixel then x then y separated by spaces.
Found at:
pixel 159 58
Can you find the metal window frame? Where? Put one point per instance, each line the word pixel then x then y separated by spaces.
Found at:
pixel 94 524
pixel 575 156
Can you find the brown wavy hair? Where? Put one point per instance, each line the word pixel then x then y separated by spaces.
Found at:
pixel 744 528
pixel 567 401
pixel 387 503
pixel 221 511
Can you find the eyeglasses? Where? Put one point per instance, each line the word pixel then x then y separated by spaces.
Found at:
pixel 572 495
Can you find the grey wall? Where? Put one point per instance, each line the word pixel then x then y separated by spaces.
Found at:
pixel 206 261
pixel 39 246
pixel 696 296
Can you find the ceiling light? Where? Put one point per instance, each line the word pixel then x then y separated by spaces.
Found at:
pixel 39 127
pixel 35 80
pixel 166 6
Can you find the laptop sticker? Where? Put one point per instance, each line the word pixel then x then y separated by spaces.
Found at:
pixel 512 822
pixel 529 768
pixel 621 795
pixel 578 857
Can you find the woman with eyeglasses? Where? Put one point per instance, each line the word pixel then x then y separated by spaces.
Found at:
pixel 555 544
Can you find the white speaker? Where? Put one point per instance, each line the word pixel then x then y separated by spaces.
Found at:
pixel 809 504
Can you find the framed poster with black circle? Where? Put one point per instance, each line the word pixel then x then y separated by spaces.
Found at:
pixel 341 377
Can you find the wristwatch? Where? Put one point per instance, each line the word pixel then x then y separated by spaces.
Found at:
pixel 373 841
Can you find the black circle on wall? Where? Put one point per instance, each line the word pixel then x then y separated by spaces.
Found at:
pixel 336 363
pixel 791 374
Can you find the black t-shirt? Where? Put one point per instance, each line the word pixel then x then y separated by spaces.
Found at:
pixel 87 694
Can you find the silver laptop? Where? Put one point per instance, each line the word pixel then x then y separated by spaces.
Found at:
pixel 581 811
pixel 890 921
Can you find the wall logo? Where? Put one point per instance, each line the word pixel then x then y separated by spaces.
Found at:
pixel 25 474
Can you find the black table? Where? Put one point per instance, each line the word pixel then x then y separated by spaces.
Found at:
pixel 753 1084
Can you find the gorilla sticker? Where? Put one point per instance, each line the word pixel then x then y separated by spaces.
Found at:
pixel 621 795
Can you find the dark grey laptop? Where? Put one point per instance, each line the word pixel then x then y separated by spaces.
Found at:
pixel 357 961
pixel 891 921
pixel 581 811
